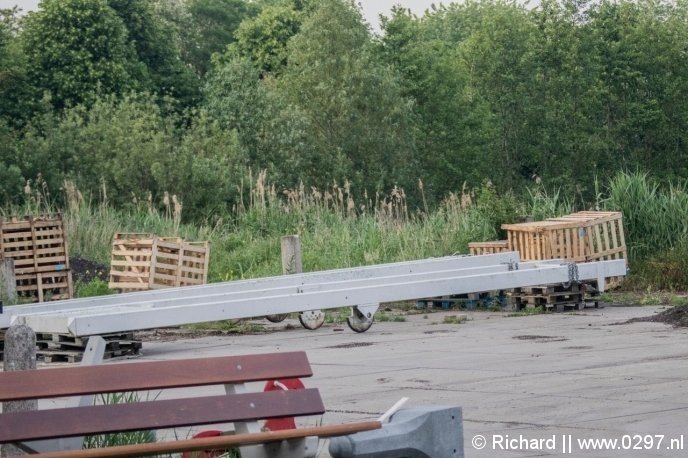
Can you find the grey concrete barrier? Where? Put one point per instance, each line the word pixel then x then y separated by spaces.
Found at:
pixel 421 432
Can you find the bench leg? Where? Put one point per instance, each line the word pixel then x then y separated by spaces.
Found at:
pixel 94 353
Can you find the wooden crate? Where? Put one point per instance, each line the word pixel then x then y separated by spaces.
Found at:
pixel 144 261
pixel 38 247
pixel 131 261
pixel 179 263
pixel 579 237
pixel 478 248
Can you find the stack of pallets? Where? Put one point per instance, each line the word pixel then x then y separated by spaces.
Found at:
pixel 38 247
pixel 578 237
pixel 145 261
pixel 53 348
pixel 470 301
pixel 553 297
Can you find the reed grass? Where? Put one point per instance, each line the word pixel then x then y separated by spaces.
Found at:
pixel 340 228
pixel 337 228
pixel 655 217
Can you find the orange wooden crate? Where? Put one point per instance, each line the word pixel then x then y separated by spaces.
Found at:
pixel 580 237
pixel 497 246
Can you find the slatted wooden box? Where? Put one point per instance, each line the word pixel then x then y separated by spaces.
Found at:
pixel 579 237
pixel 145 261
pixel 498 246
pixel 38 247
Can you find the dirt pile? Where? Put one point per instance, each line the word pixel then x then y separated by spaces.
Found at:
pixel 677 316
pixel 84 271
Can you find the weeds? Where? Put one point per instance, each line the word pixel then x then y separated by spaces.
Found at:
pixel 337 316
pixel 128 438
pixel 229 327
pixel 455 319
pixel 382 316
pixel 528 311
pixel 95 287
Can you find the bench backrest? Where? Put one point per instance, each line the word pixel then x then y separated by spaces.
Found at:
pixel 155 375
pixel 156 414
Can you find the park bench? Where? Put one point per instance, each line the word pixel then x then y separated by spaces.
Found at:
pixel 237 406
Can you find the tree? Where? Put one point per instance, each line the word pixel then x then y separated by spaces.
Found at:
pixel 272 134
pixel 77 49
pixel 642 113
pixel 157 66
pixel 264 39
pixel 206 169
pixel 453 125
pixel 215 22
pixel 15 97
pixel 358 121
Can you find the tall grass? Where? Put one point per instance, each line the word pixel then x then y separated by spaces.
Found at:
pixel 656 228
pixel 542 204
pixel 655 217
pixel 90 227
pixel 337 228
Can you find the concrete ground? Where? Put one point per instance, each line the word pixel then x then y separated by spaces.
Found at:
pixel 536 377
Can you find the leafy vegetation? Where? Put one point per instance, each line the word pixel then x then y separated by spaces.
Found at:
pixel 95 287
pixel 238 121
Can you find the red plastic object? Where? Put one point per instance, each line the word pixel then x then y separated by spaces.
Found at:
pixel 282 423
pixel 206 453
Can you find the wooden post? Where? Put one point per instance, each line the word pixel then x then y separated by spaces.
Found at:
pixel 291 255
pixel 20 354
pixel 8 282
pixel 291 264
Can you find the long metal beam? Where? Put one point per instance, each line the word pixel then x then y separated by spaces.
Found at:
pixel 194 293
pixel 334 294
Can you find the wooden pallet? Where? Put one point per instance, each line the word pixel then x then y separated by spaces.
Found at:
pixel 38 247
pixel 579 237
pixel 75 356
pixel 144 261
pixel 67 348
pixel 131 262
pixel 469 301
pixel 35 243
pixel 557 297
pixel 548 301
pixel 479 248
pixel 44 286
pixel 546 290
